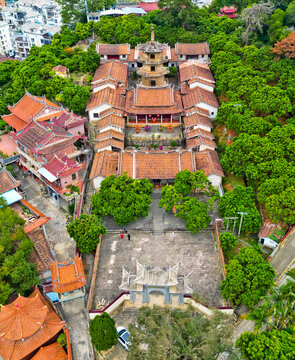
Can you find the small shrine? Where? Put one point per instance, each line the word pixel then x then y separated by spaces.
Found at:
pixel 68 279
pixel 229 11
pixel 156 285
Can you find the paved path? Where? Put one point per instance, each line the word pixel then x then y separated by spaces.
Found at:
pixel 283 261
pixel 64 249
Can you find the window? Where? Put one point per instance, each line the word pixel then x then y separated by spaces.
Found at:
pixel 212 113
pixel 152 56
pixel 153 82
pixel 132 65
pixel 95 115
pixel 152 68
pixel 203 56
pixel 74 176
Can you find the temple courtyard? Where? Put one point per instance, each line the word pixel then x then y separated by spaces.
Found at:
pixel 195 254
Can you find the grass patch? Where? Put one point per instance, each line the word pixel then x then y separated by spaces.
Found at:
pixel 231 181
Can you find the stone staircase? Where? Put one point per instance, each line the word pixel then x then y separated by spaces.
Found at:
pixel 130 313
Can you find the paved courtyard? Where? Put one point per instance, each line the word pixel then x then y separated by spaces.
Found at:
pixel 7 145
pixel 195 253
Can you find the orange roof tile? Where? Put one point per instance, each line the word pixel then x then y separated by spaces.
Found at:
pixel 114 70
pixel 110 134
pixel 192 70
pixel 106 96
pixel 14 121
pixel 200 140
pixel 192 49
pixel 109 142
pixel 51 352
pixel 105 163
pixel 196 119
pixel 198 95
pixel 153 101
pixel 111 120
pixel 199 132
pixel 113 49
pixel 174 57
pixel 155 164
pixel 68 275
pixel 36 224
pixel 25 325
pixel 7 182
pixel 60 68
pixel 208 161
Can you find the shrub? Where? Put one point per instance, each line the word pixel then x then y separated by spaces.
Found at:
pixel 103 332
pixel 228 241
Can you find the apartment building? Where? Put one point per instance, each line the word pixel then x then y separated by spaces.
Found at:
pixel 5 40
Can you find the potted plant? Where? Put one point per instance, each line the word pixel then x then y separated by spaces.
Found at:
pixel 160 147
pixel 147 128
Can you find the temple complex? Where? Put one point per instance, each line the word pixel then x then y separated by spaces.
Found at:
pixel 153 127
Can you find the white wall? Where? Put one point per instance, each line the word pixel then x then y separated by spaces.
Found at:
pixel 212 110
pixel 98 110
pixel 215 180
pixel 5 39
pixel 201 85
pixel 100 87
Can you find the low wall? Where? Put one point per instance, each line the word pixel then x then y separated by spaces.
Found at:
pixel 94 273
pixel 220 250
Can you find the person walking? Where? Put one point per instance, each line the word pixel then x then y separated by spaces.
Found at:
pixel 122 235
pixel 128 235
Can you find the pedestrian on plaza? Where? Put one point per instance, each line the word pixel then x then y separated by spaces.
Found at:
pixel 128 235
pixel 125 231
pixel 122 235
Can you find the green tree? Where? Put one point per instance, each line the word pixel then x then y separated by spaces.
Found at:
pixel 86 231
pixel 248 278
pixel 227 241
pixel 275 345
pixel 103 332
pixel 194 213
pixel 170 197
pixel 167 333
pixel 123 198
pixel 241 199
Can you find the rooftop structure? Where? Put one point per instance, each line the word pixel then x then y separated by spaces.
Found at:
pixel 229 11
pixel 25 325
pixel 51 352
pixel 68 279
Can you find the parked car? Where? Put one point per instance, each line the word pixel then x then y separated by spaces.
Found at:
pixel 123 337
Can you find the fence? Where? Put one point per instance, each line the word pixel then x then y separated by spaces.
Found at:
pixel 220 252
pixel 94 272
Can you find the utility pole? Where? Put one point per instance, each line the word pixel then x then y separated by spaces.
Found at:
pixel 86 9
pixel 227 224
pixel 241 213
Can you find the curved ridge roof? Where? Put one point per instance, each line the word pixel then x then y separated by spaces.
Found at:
pixel 22 318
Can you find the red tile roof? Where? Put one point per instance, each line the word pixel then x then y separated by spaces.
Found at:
pixel 200 140
pixel 41 255
pixel 196 119
pixel 192 70
pixel 112 70
pixel 60 68
pixel 153 101
pixel 62 167
pixel 106 96
pixel 156 164
pixel 110 134
pixel 149 6
pixel 267 229
pixel 192 49
pixel 7 182
pixel 105 163
pixel 109 142
pixel 36 224
pixel 208 161
pixel 25 325
pixel 113 49
pixel 199 132
pixel 111 120
pixel 68 275
pixel 51 352
pixel 198 95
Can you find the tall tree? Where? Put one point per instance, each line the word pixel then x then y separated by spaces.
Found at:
pixel 103 332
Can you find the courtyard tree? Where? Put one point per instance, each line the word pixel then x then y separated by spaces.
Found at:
pixel 123 198
pixel 103 332
pixel 248 278
pixel 195 214
pixel 227 241
pixel 165 333
pixel 275 345
pixel 286 47
pixel 86 231
pixel 241 199
pixel 170 197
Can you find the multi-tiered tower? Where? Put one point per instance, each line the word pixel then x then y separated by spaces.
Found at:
pixel 152 56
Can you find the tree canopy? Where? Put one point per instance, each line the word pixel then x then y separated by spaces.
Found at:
pixel 103 332
pixel 17 273
pixel 123 198
pixel 165 333
pixel 86 231
pixel 248 278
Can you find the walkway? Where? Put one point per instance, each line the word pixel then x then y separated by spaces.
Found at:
pixel 282 262
pixel 64 248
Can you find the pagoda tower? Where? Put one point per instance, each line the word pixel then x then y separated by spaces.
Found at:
pixel 153 55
